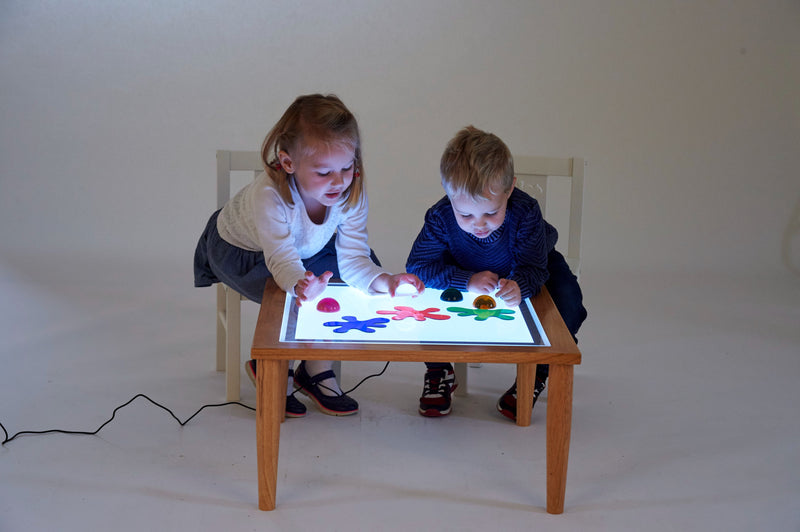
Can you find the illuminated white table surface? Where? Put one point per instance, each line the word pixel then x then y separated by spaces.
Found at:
pixel 540 337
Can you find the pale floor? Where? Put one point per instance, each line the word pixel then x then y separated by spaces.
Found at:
pixel 685 417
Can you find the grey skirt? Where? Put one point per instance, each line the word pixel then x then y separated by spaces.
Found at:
pixel 215 261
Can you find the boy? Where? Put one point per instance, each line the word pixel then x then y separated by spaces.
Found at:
pixel 487 236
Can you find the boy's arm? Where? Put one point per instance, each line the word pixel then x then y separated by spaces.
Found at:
pixel 530 254
pixel 428 259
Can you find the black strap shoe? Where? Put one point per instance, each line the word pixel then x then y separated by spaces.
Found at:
pixel 333 405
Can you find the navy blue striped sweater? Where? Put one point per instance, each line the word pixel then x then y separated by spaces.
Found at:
pixel 445 256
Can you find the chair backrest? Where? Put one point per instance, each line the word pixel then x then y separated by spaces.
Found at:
pixel 557 184
pixel 234 161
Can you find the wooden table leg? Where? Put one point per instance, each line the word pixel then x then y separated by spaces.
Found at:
pixel 271 394
pixel 559 425
pixel 525 377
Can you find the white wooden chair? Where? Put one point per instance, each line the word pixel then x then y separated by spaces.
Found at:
pixel 557 184
pixel 229 301
pixel 229 309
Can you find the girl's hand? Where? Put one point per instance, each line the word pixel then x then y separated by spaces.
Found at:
pixel 483 282
pixel 388 283
pixel 311 286
pixel 509 292
pixel 406 280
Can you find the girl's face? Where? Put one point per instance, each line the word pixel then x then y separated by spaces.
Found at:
pixel 480 216
pixel 323 175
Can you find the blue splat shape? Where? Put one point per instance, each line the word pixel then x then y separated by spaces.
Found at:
pixel 350 323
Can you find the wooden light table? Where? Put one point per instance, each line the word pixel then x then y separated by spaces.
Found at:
pixel 272 358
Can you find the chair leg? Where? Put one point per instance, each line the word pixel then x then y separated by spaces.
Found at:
pixel 233 307
pixel 221 324
pixel 337 369
pixel 460 369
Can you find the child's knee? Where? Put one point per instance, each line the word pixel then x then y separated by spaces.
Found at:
pixel 568 298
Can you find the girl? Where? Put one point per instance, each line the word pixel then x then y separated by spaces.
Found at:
pixel 301 222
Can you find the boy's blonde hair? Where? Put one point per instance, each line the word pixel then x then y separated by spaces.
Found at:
pixel 475 161
pixel 319 118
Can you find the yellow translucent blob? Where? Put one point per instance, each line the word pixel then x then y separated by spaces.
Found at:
pixel 484 302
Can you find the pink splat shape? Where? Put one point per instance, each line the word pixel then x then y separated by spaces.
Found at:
pixel 328 304
pixel 401 313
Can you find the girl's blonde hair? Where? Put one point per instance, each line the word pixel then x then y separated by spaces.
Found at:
pixel 475 162
pixel 319 118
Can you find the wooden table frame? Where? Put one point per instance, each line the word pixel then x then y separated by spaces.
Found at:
pixel 272 358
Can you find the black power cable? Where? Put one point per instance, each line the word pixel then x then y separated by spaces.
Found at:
pixel 7 439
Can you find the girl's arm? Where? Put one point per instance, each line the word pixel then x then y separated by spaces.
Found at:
pixel 272 219
pixel 356 266
pixel 352 250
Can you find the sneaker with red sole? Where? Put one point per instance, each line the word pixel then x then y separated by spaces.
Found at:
pixel 507 404
pixel 436 400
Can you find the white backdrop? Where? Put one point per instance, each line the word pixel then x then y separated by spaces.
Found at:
pixel 687 113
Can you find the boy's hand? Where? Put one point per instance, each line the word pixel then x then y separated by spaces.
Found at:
pixel 407 281
pixel 509 292
pixel 483 282
pixel 311 286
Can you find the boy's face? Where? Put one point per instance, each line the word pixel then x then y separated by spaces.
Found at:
pixel 480 216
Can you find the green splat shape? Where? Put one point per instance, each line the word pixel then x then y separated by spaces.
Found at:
pixel 483 314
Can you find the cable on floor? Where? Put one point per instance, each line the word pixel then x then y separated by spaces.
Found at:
pixel 7 439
